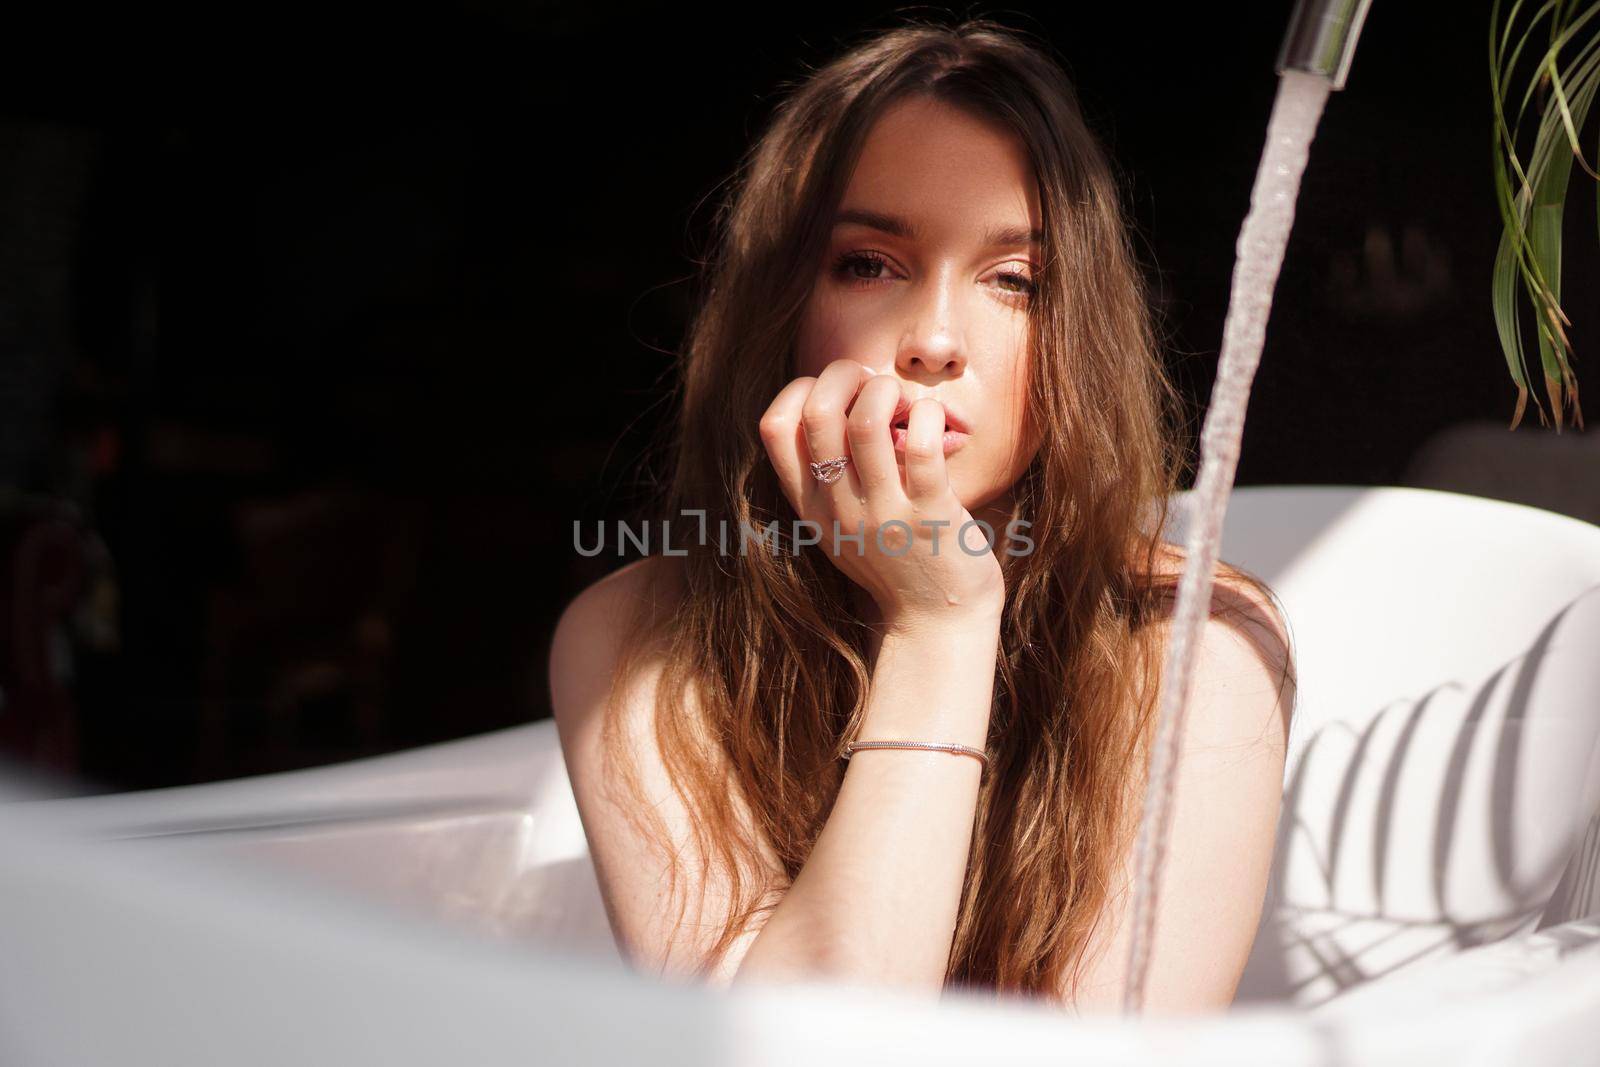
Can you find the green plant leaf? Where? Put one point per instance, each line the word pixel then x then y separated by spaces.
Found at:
pixel 1531 197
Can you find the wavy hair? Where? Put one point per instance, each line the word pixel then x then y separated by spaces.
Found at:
pixel 764 671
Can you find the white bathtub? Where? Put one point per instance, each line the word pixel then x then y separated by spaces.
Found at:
pixel 1436 890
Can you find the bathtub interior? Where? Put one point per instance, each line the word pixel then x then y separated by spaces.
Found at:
pixel 1442 791
pixel 481 834
pixel 1444 769
pixel 483 869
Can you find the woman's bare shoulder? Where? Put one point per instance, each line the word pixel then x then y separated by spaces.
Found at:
pixel 633 861
pixel 591 629
pixel 632 585
pixel 646 586
pixel 1235 593
pixel 1224 795
pixel 1246 620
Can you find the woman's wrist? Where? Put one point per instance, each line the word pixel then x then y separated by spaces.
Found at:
pixel 933 680
pixel 972 619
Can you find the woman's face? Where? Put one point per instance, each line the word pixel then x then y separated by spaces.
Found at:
pixel 928 276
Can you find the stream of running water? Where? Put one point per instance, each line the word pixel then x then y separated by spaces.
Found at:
pixel 1262 240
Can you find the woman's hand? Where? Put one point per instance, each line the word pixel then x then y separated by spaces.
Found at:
pixel 916 572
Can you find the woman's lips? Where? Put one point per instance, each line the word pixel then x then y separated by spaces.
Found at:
pixel 955 432
pixel 953 439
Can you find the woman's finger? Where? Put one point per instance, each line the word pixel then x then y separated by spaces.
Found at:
pixel 823 417
pixel 871 439
pixel 926 477
pixel 784 437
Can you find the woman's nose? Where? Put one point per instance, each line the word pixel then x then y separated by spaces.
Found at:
pixel 932 344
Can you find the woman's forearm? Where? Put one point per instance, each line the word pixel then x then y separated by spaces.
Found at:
pixel 876 901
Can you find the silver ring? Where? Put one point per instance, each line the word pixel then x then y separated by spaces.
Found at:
pixel 829 470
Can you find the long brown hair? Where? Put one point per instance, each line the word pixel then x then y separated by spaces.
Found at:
pixel 767 643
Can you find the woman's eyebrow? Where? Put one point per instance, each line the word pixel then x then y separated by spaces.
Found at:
pixel 1008 236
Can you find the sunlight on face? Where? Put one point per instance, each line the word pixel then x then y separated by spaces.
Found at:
pixel 928 277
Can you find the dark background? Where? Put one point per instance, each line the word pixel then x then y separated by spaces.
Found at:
pixel 319 327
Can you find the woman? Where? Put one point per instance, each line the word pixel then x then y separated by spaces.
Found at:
pixel 922 311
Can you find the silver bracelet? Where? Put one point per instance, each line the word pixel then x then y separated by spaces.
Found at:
pixel 937 746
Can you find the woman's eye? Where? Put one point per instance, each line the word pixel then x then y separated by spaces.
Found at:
pixel 1024 285
pixel 860 266
pixel 866 266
